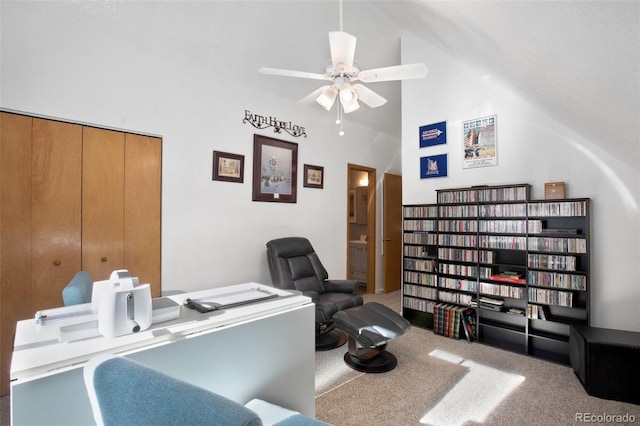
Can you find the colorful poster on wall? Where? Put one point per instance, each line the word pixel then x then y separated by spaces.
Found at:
pixel 480 142
pixel 433 134
pixel 433 166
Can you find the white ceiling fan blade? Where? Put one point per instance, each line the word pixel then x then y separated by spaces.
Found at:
pixel 398 72
pixel 311 97
pixel 343 49
pixel 368 96
pixel 290 73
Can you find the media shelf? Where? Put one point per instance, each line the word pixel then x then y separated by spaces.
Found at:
pixel 522 264
pixel 420 281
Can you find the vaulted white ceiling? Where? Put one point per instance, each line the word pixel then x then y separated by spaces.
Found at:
pixel 578 60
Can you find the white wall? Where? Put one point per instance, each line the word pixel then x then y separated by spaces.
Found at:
pixel 168 69
pixel 533 147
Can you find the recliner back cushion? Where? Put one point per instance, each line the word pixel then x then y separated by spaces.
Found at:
pixel 294 264
pixel 304 275
pixel 319 270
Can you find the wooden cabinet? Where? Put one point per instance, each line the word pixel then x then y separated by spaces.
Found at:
pixel 72 198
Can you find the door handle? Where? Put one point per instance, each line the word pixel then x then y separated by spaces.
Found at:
pixel 386 239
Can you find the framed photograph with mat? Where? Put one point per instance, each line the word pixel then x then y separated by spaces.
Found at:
pixel 313 176
pixel 228 167
pixel 275 170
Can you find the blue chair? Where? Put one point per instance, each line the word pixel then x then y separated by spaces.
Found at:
pixel 124 392
pixel 78 290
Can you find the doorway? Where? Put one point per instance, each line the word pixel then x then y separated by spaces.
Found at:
pixel 361 226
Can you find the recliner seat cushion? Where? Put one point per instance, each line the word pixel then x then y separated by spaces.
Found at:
pixel 330 303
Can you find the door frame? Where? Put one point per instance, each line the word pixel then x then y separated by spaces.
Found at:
pixel 371 223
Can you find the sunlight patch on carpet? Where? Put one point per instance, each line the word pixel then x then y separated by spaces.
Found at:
pixel 446 356
pixel 474 397
pixel 334 372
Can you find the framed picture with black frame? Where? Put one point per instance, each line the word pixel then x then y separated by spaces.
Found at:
pixel 228 167
pixel 313 176
pixel 275 170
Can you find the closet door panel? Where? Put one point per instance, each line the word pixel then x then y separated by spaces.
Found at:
pixel 56 209
pixel 15 238
pixel 102 202
pixel 142 209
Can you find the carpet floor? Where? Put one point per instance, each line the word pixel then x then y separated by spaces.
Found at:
pixel 442 381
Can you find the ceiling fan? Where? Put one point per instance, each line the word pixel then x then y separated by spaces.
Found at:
pixel 342 74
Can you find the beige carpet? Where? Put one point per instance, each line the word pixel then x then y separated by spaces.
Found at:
pixel 423 386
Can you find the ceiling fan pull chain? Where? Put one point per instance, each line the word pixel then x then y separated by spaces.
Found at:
pixel 340 15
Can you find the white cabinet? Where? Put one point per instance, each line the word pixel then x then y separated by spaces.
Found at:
pixel 358 261
pixel 206 350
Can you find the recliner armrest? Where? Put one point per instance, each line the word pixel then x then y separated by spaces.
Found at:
pixel 313 295
pixel 341 286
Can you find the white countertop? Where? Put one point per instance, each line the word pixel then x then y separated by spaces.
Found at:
pixel 37 349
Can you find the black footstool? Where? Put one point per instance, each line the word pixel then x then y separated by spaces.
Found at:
pixel 369 328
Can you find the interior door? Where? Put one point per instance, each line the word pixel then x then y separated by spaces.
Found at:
pixel 392 231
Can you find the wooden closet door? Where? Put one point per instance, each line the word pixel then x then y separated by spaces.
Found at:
pixel 15 238
pixel 56 177
pixel 102 202
pixel 142 182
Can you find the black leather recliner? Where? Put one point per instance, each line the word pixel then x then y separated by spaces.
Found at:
pixel 294 265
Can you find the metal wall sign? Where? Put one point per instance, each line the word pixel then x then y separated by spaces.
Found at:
pixel 263 122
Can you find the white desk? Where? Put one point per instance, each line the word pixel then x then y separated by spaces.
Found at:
pixel 263 350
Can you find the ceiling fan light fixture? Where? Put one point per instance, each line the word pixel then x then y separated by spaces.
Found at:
pixel 351 106
pixel 348 94
pixel 327 98
pixel 348 98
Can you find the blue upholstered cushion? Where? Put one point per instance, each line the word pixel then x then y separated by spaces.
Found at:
pixel 78 290
pixel 300 420
pixel 129 393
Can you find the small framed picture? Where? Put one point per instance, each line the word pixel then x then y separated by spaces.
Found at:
pixel 228 167
pixel 313 176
